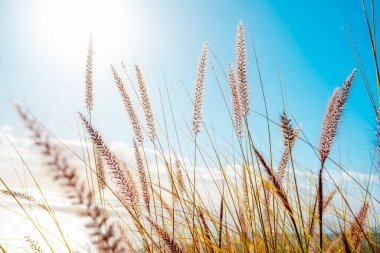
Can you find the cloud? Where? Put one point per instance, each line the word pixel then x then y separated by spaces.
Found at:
pixel 19 155
pixel 19 159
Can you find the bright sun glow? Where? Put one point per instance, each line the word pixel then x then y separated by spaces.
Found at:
pixel 67 25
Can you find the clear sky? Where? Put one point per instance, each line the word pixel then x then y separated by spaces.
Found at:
pixel 43 48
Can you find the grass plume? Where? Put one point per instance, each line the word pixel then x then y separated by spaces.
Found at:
pixel 241 65
pixel 101 231
pixel 199 87
pixel 129 107
pixel 146 104
pixel 89 79
pixel 120 174
pixel 329 129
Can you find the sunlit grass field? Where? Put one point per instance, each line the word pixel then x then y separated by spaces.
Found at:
pixel 186 195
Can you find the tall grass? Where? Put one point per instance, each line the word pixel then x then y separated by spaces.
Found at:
pixel 254 206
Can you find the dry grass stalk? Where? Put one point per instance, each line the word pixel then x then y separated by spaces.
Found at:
pixel 268 170
pixel 333 116
pixel 357 227
pixel 20 195
pixel 24 196
pixel 329 198
pixel 220 232
pixel 33 245
pixel 243 222
pixel 235 101
pixel 172 245
pixel 131 248
pixel 228 242
pixel 241 64
pixel 326 203
pixel 245 189
pixel 172 182
pixel 146 104
pixel 164 204
pixel 142 176
pixel 129 107
pixel 89 79
pixel 199 87
pixel 326 122
pixel 267 215
pixel 284 161
pixel 278 189
pixel 289 137
pixel 120 174
pixel 206 229
pixel 329 129
pixel 179 175
pixel 102 230
pixel 100 170
pixel 288 133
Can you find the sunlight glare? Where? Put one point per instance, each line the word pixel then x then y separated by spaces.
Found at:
pixel 68 25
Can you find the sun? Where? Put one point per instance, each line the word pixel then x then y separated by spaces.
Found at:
pixel 66 26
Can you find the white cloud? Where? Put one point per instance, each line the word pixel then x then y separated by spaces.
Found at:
pixel 19 154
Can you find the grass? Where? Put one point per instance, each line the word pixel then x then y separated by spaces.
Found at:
pixel 257 203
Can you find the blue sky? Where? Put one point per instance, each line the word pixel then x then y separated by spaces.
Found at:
pixel 43 47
